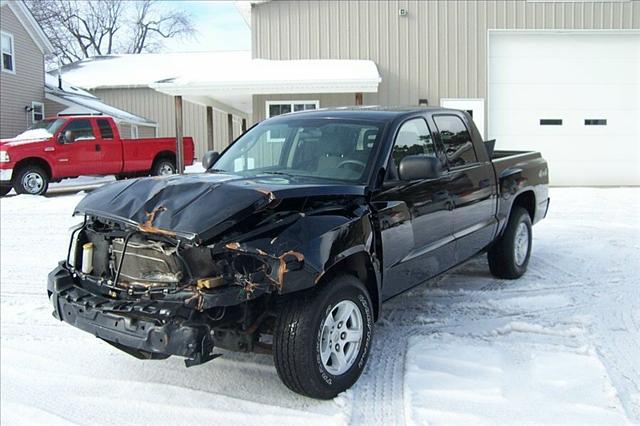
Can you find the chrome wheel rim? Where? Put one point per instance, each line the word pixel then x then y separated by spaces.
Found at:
pixel 521 245
pixel 166 169
pixel 341 337
pixel 32 182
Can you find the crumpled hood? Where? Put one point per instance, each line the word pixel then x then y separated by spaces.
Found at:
pixel 198 206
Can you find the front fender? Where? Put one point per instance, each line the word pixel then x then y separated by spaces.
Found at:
pixel 330 248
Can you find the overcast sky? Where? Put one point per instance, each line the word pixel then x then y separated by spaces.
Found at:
pixel 219 26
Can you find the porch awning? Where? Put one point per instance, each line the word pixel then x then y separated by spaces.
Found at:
pixel 233 83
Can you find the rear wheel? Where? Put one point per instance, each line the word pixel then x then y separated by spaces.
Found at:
pixel 31 180
pixel 322 339
pixel 509 256
pixel 163 167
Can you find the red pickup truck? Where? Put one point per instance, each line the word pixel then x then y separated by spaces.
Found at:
pixel 66 147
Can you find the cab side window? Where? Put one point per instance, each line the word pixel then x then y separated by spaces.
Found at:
pixel 413 138
pixel 456 140
pixel 106 132
pixel 80 130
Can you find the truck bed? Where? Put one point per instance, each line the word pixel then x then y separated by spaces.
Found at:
pixel 507 162
pixel 515 170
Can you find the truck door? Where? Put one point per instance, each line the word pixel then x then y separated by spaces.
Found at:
pixel 109 146
pixel 472 186
pixel 78 156
pixel 415 217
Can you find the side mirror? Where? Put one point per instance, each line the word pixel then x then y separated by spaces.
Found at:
pixel 209 159
pixel 418 167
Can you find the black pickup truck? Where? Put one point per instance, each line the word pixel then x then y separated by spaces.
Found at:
pixel 294 237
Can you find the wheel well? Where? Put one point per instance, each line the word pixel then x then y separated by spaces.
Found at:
pixel 526 200
pixel 360 266
pixel 34 161
pixel 165 154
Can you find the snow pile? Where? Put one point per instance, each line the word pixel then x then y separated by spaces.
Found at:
pixel 559 345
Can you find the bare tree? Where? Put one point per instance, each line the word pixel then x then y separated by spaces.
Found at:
pixel 81 29
pixel 152 25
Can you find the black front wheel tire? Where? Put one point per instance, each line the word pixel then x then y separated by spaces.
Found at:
pixel 310 323
pixel 509 255
pixel 32 180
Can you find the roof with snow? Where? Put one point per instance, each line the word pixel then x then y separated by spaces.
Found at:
pixel 229 78
pixel 80 101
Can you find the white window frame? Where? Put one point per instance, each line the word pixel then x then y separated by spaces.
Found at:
pixel 291 103
pixel 13 54
pixel 33 111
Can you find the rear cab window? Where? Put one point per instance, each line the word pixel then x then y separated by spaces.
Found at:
pixel 456 140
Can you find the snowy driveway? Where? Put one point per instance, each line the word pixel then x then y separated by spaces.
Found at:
pixel 560 345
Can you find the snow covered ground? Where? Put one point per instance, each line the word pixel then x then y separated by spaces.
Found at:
pixel 560 345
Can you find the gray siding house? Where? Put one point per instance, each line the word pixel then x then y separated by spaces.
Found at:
pixel 24 46
pixel 28 94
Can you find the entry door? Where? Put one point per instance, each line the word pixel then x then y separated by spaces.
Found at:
pixel 471 185
pixel 475 108
pixel 109 147
pixel 415 217
pixel 82 156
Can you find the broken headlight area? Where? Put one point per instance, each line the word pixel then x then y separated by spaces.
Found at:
pixel 122 262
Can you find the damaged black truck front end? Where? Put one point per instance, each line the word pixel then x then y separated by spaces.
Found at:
pixel 156 270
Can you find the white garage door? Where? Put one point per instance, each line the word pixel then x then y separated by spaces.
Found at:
pixel 574 96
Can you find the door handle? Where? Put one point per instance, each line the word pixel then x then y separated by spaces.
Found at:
pixel 98 147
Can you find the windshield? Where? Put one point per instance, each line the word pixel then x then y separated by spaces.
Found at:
pixel 320 148
pixel 51 125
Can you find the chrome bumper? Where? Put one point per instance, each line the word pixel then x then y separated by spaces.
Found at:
pixel 5 175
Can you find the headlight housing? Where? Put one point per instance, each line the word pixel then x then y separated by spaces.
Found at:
pixel 4 157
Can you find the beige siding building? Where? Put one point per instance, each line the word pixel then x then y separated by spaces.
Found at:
pixel 160 108
pixel 437 50
pixel 24 46
pixel 555 76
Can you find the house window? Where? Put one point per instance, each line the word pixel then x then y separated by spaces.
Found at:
pixel 134 131
pixel 595 122
pixel 37 111
pixel 8 56
pixel 283 107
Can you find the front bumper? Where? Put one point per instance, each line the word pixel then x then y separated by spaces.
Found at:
pixel 144 329
pixel 5 175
